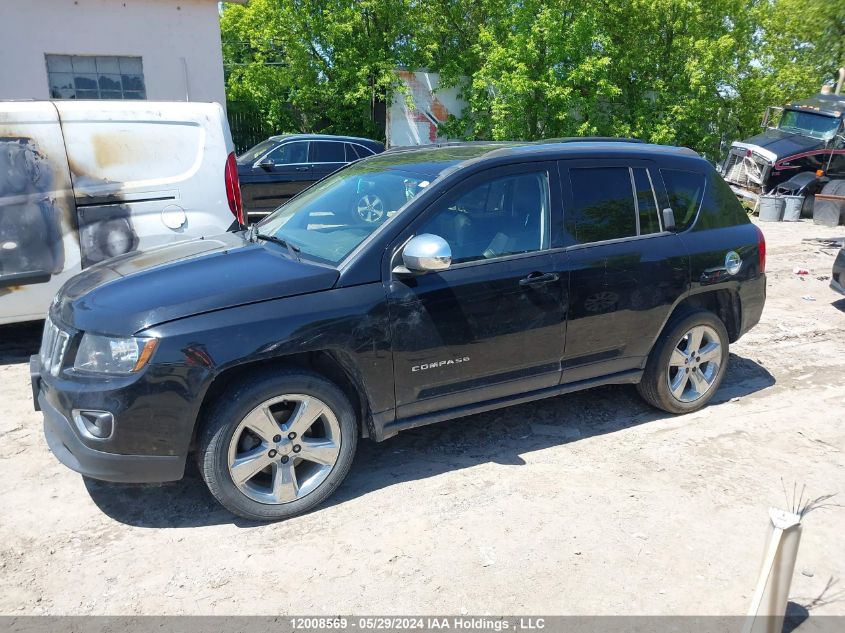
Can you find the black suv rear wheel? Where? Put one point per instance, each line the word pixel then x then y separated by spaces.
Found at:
pixel 278 446
pixel 687 364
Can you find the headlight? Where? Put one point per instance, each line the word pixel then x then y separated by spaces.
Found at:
pixel 109 355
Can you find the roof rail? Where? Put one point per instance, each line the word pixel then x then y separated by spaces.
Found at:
pixel 591 139
pixel 439 144
pixel 563 139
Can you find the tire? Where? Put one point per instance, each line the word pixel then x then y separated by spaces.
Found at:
pixel 292 474
pixel 685 372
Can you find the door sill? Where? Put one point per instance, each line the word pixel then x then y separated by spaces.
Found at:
pixel 392 428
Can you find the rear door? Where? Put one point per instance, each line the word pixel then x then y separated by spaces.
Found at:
pixel 326 157
pixel 626 273
pixel 38 240
pixel 492 325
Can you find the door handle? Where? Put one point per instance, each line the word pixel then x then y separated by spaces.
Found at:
pixel 302 168
pixel 538 279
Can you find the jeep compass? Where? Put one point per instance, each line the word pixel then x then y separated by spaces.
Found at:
pixel 410 287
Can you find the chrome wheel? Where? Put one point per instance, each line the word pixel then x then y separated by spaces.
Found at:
pixel 370 208
pixel 284 449
pixel 694 364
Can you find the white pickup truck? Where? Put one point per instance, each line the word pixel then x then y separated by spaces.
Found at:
pixel 84 181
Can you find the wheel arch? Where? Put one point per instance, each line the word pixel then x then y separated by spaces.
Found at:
pixel 723 302
pixel 331 364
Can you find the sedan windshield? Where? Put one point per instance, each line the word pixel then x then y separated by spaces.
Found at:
pixel 253 154
pixel 329 220
pixel 809 123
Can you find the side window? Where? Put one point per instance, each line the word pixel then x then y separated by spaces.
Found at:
pixel 646 202
pixel 685 189
pixel 603 204
pixel 327 152
pixel 504 216
pixel 720 207
pixel 351 154
pixel 289 153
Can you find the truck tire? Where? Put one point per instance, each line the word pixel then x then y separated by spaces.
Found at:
pixel 276 446
pixel 687 364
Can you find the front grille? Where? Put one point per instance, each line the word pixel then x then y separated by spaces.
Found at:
pixel 745 171
pixel 53 347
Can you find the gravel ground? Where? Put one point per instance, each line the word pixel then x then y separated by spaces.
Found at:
pixel 589 503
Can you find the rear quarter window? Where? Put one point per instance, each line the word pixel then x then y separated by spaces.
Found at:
pixel 720 207
pixel 706 196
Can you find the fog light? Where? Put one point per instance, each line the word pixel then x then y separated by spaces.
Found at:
pixel 96 425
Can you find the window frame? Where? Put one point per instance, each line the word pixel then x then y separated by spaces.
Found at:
pixel 568 201
pixel 98 74
pixel 459 189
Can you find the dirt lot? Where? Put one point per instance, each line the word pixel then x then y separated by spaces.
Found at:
pixel 582 504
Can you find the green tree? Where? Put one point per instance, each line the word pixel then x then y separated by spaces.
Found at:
pixel 316 64
pixel 799 45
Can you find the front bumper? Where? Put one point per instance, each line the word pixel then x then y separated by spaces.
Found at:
pixel 67 445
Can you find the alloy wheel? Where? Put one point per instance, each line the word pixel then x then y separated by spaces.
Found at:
pixel 284 449
pixel 694 364
pixel 370 208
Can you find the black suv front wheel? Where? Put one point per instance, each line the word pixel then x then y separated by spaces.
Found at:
pixel 276 447
pixel 687 364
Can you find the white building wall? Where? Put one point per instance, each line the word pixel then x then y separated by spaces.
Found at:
pixel 178 41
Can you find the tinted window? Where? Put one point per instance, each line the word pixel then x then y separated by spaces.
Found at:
pixel 720 207
pixel 646 203
pixel 327 152
pixel 289 153
pixel 685 189
pixel 499 217
pixel 603 204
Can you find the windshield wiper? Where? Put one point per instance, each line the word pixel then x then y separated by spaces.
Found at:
pixel 293 250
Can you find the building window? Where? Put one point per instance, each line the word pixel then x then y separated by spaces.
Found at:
pixel 95 77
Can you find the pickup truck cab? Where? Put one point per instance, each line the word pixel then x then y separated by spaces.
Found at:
pixel 497 274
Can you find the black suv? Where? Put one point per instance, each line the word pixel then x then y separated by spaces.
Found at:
pixel 496 274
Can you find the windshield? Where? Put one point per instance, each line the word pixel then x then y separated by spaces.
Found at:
pixel 809 123
pixel 329 220
pixel 253 154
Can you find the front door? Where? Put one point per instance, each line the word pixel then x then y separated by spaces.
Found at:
pixel 492 325
pixel 276 178
pixel 626 273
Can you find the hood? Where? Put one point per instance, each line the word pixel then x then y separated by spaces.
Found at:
pixel 784 144
pixel 130 293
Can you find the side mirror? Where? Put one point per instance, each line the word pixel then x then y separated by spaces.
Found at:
pixel 668 219
pixel 267 164
pixel 427 253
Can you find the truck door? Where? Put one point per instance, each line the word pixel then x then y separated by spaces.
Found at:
pixel 38 242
